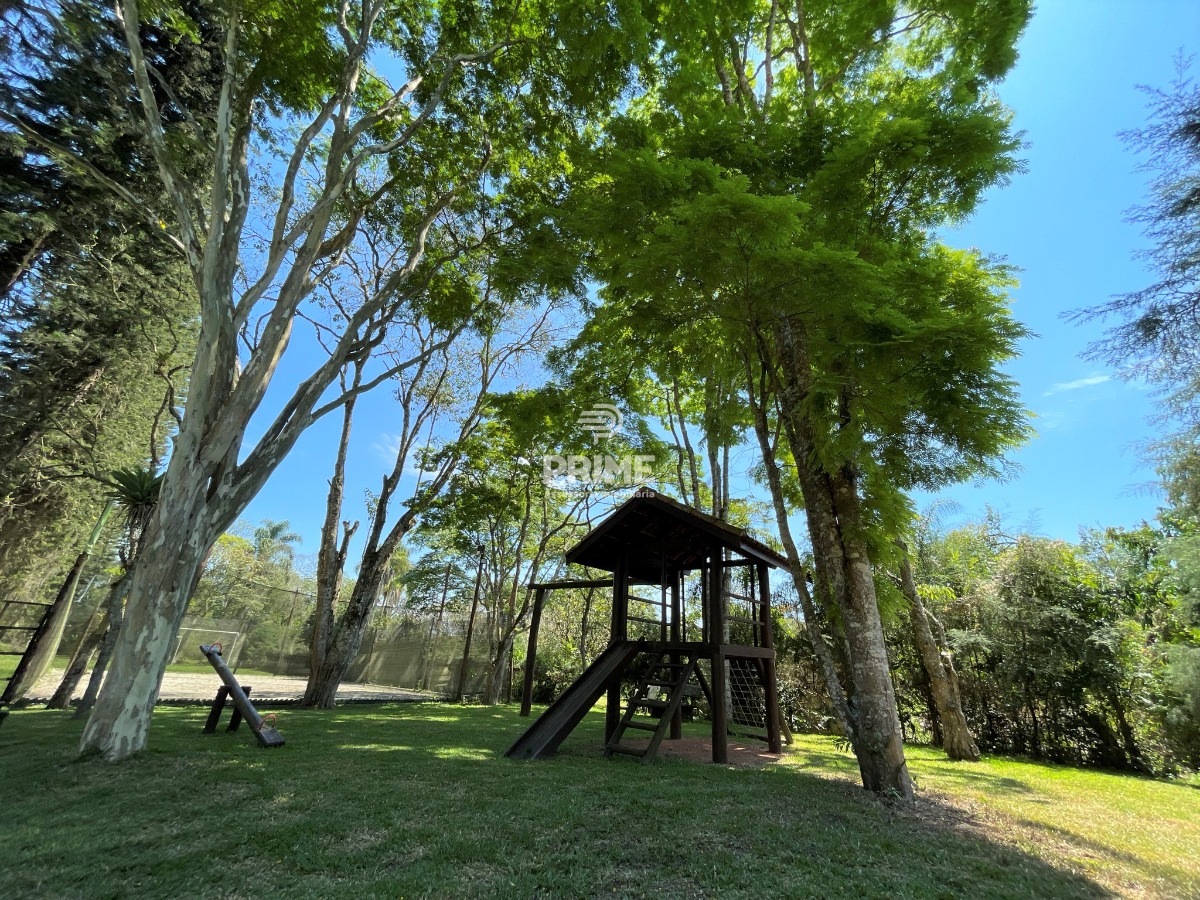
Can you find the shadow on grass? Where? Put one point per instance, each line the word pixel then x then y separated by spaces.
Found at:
pixel 418 800
pixel 1078 842
pixel 988 781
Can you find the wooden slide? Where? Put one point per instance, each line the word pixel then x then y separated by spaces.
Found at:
pixel 542 738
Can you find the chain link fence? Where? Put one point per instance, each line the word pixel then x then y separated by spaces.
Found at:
pixel 413 652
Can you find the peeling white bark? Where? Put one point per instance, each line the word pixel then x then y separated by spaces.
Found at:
pixel 209 481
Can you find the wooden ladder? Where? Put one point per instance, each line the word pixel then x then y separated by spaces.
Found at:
pixel 665 674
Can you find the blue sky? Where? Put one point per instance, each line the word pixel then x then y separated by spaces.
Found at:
pixel 1061 224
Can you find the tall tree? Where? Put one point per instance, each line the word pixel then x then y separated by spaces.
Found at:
pixel 441 403
pixel 1154 335
pixel 452 136
pixel 782 186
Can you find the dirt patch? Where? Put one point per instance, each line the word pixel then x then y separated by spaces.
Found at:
pixel 203 686
pixel 741 755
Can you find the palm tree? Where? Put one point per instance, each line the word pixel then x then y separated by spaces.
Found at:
pixel 273 543
pixel 135 490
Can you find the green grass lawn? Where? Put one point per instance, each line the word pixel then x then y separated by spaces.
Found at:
pixel 8 665
pixel 416 800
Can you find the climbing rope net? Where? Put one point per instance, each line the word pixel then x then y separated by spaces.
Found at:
pixel 747 697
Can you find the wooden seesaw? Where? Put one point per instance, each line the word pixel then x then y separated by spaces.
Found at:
pixel 243 708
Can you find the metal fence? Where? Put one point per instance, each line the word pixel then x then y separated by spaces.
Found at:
pixel 420 653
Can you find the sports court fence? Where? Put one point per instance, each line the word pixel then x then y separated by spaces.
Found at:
pixel 414 652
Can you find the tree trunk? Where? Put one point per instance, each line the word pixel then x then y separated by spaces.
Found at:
pixel 114 615
pixel 93 634
pixel 935 721
pixel 583 627
pixel 1031 706
pixel 880 749
pixel 170 555
pixel 1132 752
pixel 813 625
pixel 497 670
pixel 838 532
pixel 687 450
pixel 44 645
pixel 535 627
pixel 331 558
pixel 957 740
pixel 344 644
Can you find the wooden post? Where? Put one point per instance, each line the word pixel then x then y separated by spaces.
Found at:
pixel 214 714
pixel 771 685
pixel 267 736
pixel 715 621
pixel 535 623
pixel 218 707
pixel 664 629
pixel 620 632
pixel 235 719
pixel 676 637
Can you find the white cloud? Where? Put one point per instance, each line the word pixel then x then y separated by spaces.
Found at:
pixel 1077 384
pixel 1049 421
pixel 387 446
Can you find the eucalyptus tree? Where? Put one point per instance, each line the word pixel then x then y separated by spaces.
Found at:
pixel 782 185
pixel 440 403
pixel 442 96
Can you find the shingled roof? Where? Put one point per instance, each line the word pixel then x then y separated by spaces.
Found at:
pixel 649 525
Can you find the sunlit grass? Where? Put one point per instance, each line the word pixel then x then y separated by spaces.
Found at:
pixel 417 800
pixel 1128 830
